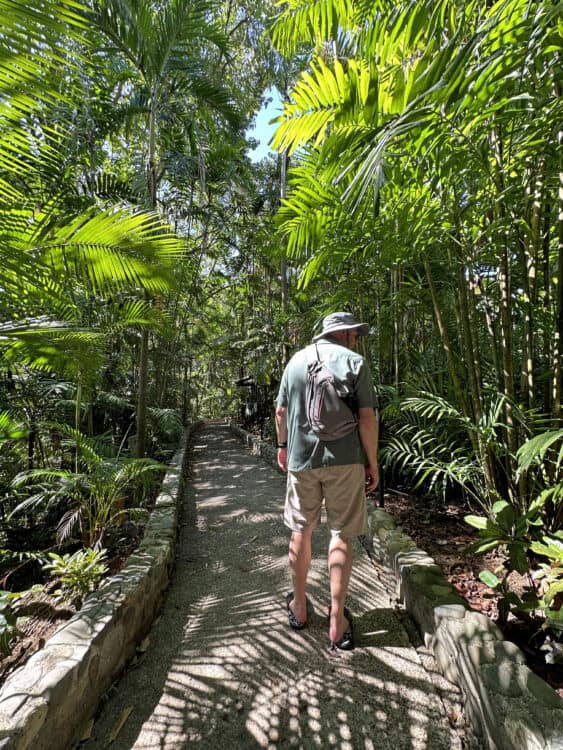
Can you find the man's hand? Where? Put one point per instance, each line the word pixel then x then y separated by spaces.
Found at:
pixel 282 459
pixel 372 477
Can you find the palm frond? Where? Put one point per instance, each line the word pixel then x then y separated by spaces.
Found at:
pixel 535 449
pixel 70 520
pixel 311 22
pixel 11 429
pixel 52 347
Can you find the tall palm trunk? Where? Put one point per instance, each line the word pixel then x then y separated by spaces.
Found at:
pixel 478 446
pixel 444 335
pixel 529 253
pixel 144 350
pixel 396 364
pixel 504 278
pixel 546 302
pixel 283 268
pixel 558 339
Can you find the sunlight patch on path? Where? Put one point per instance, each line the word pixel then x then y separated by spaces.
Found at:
pixel 225 671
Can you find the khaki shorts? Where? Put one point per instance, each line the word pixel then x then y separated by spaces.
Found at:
pixel 341 488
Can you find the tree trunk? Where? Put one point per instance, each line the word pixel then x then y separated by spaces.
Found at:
pixel 505 291
pixel 558 338
pixel 144 352
pixel 529 252
pixel 546 306
pixel 452 366
pixel 283 267
pixel 396 364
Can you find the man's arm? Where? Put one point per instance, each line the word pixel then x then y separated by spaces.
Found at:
pixel 281 430
pixel 369 435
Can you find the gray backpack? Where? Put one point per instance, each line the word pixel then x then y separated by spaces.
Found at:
pixel 329 402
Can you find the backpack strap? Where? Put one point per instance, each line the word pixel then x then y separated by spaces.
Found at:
pixel 311 354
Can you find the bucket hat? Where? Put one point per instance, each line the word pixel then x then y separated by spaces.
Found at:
pixel 341 321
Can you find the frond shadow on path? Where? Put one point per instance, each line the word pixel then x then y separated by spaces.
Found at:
pixel 224 670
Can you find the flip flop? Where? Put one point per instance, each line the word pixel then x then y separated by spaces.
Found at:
pixel 294 623
pixel 346 642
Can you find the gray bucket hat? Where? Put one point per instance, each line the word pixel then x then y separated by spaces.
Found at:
pixel 341 321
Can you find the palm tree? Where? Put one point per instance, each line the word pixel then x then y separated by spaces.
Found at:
pixel 67 256
pixel 165 51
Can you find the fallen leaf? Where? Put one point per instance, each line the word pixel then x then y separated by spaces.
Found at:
pixel 245 544
pixel 143 646
pixel 87 731
pixel 118 726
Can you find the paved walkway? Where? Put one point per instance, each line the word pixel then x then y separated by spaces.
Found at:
pixel 222 669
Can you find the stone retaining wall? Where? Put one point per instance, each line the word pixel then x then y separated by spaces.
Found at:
pixel 47 702
pixel 509 706
pixel 258 446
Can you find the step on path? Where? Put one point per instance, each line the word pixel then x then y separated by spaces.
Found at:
pixel 222 669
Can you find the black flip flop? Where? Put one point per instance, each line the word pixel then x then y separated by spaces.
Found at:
pixel 346 642
pixel 294 623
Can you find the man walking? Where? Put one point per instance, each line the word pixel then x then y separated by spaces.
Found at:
pixel 337 473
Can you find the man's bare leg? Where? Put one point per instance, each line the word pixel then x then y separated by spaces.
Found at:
pixel 339 569
pixel 299 562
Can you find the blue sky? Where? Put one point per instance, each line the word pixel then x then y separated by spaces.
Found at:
pixel 262 131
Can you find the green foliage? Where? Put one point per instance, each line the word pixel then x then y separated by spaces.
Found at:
pixel 434 442
pixel 167 424
pixel 79 573
pixel 9 429
pixel 518 536
pixel 550 574
pixel 507 600
pixel 535 451
pixel 106 491
pixel 8 620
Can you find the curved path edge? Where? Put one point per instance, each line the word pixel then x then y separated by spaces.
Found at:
pixel 47 702
pixel 509 706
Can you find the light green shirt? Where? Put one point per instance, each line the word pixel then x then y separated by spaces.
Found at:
pixel 304 449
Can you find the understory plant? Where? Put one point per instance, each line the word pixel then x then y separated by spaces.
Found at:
pixel 100 490
pixel 79 573
pixel 8 620
pixel 532 542
pixel 521 516
pixel 550 576
pixel 436 444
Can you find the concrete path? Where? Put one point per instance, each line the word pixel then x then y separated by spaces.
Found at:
pixel 221 668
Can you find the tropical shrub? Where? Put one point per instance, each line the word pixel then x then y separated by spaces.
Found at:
pixel 7 620
pixel 79 573
pixel 434 444
pixel 94 495
pixel 550 573
pixel 522 538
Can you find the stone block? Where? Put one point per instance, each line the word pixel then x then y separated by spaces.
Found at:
pixel 450 612
pixel 503 677
pixel 380 519
pixel 414 556
pixel 19 725
pixel 521 733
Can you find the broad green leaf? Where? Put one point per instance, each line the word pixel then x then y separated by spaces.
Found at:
pixel 479 522
pixel 489 579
